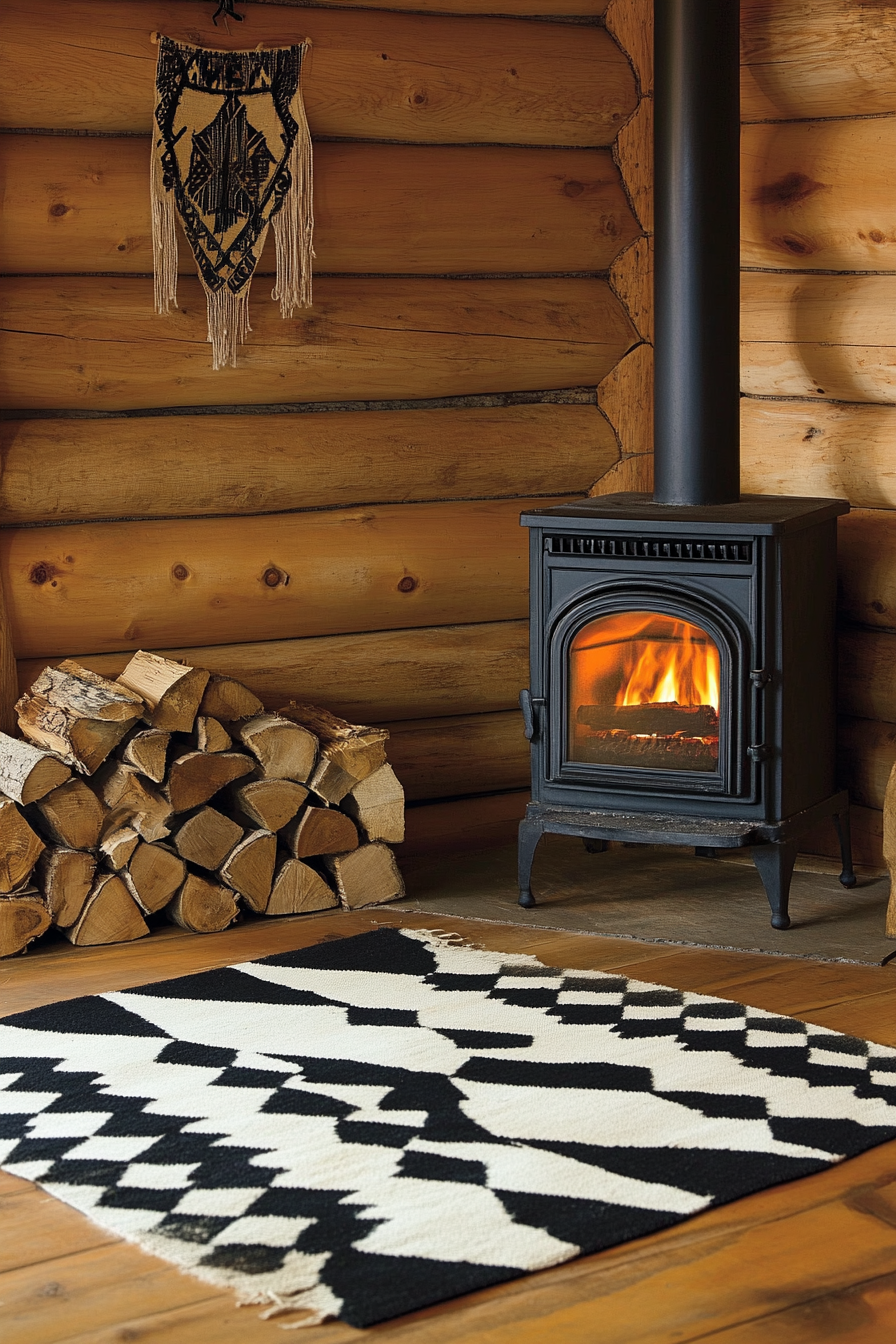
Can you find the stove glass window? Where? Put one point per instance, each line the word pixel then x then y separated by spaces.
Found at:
pixel 644 691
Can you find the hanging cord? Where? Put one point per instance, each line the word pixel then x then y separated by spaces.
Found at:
pixel 225 7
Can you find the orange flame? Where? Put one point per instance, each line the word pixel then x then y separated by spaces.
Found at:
pixel 642 658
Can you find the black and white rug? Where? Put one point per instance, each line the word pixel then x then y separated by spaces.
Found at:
pixel 375 1124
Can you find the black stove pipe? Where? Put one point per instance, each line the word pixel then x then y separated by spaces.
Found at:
pixel 697 257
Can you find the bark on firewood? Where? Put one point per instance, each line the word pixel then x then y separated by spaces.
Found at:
pixel 28 773
pixel 78 714
pixel 24 916
pixel 171 691
pixel 349 752
pixel 249 869
pixel 211 735
pixel 132 802
pixel 284 750
pixel 229 700
pixel 71 815
pixel 20 848
pixel 153 875
pixel 269 803
pixel 298 890
pixel 65 876
pixel 367 876
pixel 320 830
pixel 109 916
pixel 662 719
pixel 377 805
pixel 147 751
pixel 118 846
pixel 202 906
pixel 206 838
pixel 197 776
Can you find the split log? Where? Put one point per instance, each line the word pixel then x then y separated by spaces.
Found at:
pixel 148 750
pixel 109 916
pixel 269 803
pixel 71 815
pixel 249 868
pixel 24 916
pixel 20 848
pixel 227 700
pixel 211 735
pixel 321 830
pixel 284 750
pixel 153 875
pixel 77 714
pixel 367 876
pixel 118 846
pixel 349 752
pixel 172 692
pixel 28 773
pixel 202 906
pixel 298 890
pixel 65 876
pixel 197 776
pixel 377 805
pixel 660 719
pixel 206 838
pixel 131 802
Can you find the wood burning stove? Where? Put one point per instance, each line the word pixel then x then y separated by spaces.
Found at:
pixel 683 646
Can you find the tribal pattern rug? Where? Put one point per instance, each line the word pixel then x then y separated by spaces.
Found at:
pixel 374 1124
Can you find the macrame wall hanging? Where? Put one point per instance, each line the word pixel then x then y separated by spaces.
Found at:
pixel 231 155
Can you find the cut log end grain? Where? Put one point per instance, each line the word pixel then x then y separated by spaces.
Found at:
pixel 321 830
pixel 228 700
pixel 249 869
pixel 109 916
pixel 171 691
pixel 118 846
pixel 269 803
pixel 147 752
pixel 202 906
pixel 27 772
pixel 71 815
pixel 299 890
pixel 284 750
pixel 153 875
pixel 132 802
pixel 377 805
pixel 367 876
pixel 65 877
pixel 197 776
pixel 20 847
pixel 24 916
pixel 211 735
pixel 206 838
pixel 349 752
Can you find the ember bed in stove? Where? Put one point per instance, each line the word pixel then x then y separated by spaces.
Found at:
pixel 683 679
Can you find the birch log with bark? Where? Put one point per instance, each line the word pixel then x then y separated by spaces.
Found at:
pixel 77 714
pixel 27 772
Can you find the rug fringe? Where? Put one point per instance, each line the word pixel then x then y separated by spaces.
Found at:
pixel 228 323
pixel 319 1302
pixel 294 221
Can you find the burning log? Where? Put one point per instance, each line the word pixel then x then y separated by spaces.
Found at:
pixel 662 719
pixel 648 752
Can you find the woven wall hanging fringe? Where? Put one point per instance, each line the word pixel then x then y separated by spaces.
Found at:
pixel 232 154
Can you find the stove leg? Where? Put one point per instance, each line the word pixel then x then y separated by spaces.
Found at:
pixel 775 865
pixel 841 821
pixel 530 834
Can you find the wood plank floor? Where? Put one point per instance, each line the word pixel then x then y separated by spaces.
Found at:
pixel 811 1261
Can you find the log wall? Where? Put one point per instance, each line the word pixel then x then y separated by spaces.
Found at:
pixel 336 518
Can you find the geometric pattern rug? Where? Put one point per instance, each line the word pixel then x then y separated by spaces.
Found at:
pixel 375 1124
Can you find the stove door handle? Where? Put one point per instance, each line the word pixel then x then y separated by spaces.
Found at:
pixel 530 705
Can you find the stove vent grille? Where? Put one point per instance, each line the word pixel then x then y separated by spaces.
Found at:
pixel 652 548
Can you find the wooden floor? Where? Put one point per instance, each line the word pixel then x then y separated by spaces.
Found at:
pixel 803 1263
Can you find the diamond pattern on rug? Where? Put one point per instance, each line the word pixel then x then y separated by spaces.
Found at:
pixel 375 1124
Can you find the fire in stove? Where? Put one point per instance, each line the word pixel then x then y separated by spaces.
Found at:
pixel 645 692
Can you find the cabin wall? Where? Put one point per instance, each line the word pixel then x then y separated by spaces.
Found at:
pixel 336 519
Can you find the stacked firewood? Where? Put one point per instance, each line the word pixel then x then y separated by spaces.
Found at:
pixel 174 790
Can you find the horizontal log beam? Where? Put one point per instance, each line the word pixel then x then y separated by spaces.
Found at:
pixel 101 587
pixel 866 826
pixel 79 205
pixel 90 65
pixel 435 758
pixel 818 195
pixel 428 672
pixel 363 339
pixel 866 753
pixel 866 563
pixel 824 336
pixel 463 825
pixel 867 674
pixel 821 448
pixel 194 465
pixel 513 8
